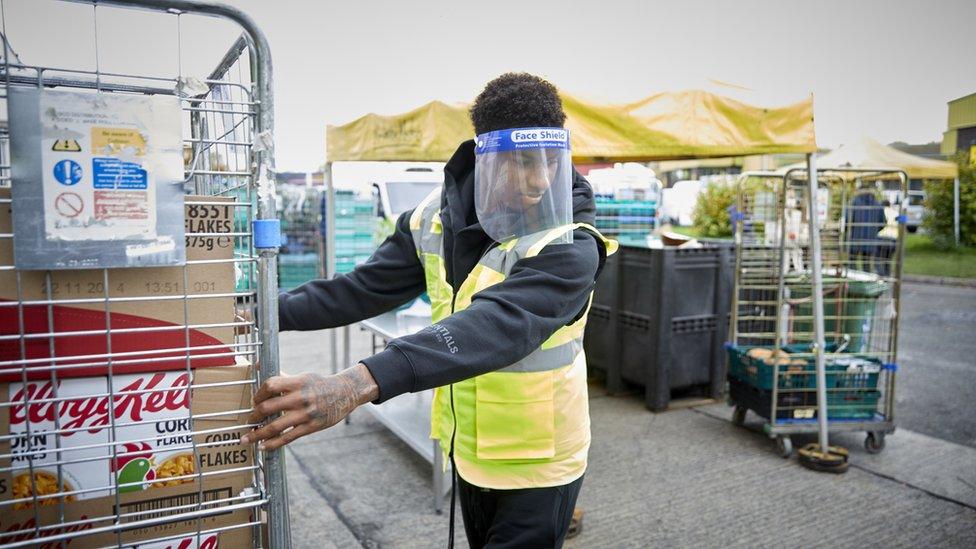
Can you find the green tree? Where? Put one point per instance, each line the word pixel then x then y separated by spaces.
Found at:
pixel 711 213
pixel 938 220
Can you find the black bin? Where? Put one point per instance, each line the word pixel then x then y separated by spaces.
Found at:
pixel 660 320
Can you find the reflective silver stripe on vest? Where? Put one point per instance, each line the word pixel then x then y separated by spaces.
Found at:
pixel 542 360
pixel 431 242
pixel 424 238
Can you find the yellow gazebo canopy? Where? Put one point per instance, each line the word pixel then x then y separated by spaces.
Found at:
pixel 868 153
pixel 664 126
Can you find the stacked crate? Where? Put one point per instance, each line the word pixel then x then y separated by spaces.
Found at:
pixel 355 222
pixel 628 220
pixel 297 269
pixel 299 260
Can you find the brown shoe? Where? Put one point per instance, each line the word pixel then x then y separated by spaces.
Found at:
pixel 576 524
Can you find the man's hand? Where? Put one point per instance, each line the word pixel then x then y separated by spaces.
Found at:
pixel 307 403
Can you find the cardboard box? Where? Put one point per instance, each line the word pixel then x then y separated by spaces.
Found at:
pixel 230 539
pixel 84 522
pixel 152 417
pixel 131 351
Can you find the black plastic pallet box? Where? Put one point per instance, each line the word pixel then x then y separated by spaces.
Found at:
pixel 659 320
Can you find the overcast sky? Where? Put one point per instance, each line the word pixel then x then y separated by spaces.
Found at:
pixel 880 68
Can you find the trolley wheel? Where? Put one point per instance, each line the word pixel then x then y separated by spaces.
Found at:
pixel 784 446
pixel 874 442
pixel 739 415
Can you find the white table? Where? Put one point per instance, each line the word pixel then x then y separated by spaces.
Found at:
pixel 408 415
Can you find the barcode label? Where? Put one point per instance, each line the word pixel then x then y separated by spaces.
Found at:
pixel 165 505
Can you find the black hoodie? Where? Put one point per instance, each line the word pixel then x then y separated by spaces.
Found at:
pixel 503 323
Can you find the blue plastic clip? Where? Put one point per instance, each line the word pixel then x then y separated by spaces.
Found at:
pixel 267 233
pixel 902 219
pixel 892 367
pixel 735 214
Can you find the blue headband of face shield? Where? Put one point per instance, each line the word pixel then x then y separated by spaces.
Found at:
pixel 522 139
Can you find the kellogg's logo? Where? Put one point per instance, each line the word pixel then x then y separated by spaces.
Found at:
pixel 208 542
pixel 129 402
pixel 25 531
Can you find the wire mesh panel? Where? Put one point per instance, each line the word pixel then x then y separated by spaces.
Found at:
pixel 772 355
pixel 124 392
pixel 4 153
pixel 301 252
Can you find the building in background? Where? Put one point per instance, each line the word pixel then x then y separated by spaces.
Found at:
pixel 961 133
pixel 925 150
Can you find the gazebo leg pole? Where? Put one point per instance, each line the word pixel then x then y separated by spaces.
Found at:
pixel 816 270
pixel 955 209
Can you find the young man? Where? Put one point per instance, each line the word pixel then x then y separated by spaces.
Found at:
pixel 507 253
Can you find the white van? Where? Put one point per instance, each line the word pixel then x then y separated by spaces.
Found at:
pixel 678 202
pixel 401 192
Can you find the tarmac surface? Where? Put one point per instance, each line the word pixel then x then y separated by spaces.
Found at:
pixel 681 478
pixel 936 387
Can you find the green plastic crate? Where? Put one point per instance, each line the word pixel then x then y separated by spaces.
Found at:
pixel 855 404
pixel 854 372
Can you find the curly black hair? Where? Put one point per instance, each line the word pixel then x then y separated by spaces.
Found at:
pixel 517 100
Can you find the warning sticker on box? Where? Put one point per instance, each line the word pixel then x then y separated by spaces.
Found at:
pixel 117 141
pixel 115 205
pixel 112 173
pixel 117 147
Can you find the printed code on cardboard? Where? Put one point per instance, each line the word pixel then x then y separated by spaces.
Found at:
pixel 174 505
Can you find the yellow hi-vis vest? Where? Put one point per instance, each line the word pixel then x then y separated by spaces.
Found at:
pixel 526 425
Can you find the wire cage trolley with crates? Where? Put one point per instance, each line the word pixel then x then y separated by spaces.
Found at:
pixel 771 354
pixel 125 381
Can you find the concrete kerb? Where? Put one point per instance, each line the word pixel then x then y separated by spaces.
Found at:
pixel 940 280
pixel 940 468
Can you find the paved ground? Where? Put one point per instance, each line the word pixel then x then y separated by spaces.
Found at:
pixel 679 478
pixel 936 388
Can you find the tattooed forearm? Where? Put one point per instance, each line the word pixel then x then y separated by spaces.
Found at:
pixel 307 403
pixel 328 399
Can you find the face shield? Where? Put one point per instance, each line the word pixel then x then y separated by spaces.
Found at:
pixel 523 182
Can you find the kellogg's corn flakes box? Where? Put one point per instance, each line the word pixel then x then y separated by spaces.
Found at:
pixel 152 419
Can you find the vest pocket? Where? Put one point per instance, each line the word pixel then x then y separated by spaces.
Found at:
pixel 514 415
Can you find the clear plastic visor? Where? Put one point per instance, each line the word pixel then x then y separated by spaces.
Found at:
pixel 523 191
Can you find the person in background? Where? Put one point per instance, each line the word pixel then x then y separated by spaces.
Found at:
pixel 887 240
pixel 865 217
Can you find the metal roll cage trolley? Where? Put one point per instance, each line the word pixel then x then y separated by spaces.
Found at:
pixel 228 162
pixel 814 319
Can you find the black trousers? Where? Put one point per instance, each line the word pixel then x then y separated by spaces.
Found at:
pixel 530 517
